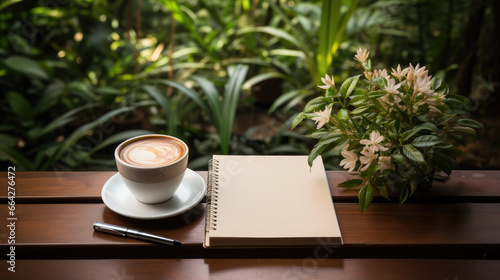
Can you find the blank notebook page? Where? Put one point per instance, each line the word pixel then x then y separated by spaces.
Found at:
pixel 272 201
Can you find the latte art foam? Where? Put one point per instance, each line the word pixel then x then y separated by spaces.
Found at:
pixel 152 152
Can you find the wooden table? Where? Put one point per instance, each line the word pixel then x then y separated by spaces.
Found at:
pixel 452 232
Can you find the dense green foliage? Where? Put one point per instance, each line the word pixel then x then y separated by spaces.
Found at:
pixel 395 130
pixel 78 77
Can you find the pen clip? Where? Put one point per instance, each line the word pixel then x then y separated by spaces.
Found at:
pixel 108 230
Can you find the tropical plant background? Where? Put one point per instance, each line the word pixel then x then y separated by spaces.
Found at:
pixel 78 77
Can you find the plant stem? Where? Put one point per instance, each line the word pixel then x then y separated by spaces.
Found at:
pixel 170 53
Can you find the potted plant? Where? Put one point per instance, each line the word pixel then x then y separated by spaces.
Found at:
pixel 395 130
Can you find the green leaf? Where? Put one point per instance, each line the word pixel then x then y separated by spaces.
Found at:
pixel 160 97
pixel 266 76
pixel 396 127
pixel 81 132
pixel 413 153
pixel 287 52
pixel 232 92
pixel 294 102
pixel 320 133
pixel 469 123
pixel 435 83
pixel 195 96
pixel 444 162
pixel 329 23
pixel 331 137
pixel 360 109
pixel 403 195
pixel 464 100
pixel 213 99
pixel 444 146
pixel 331 92
pixel 358 99
pixel 25 66
pixel 298 119
pixel 348 86
pixel 278 13
pixel 467 130
pixel 8 3
pixel 274 32
pixel 383 192
pixel 376 94
pixel 342 114
pixel 365 196
pixel 413 185
pixel 285 97
pixel 428 126
pixel 349 184
pixel 59 122
pixel 381 82
pixel 426 141
pixel 425 126
pixel 174 9
pixel 341 145
pixel 399 159
pixel 186 17
pixel 317 104
pixel 20 105
pixel 49 98
pixel 108 91
pixel 442 90
pixel 459 139
pixel 457 105
pixel 368 64
pixel 333 24
pixel 16 158
pixel 315 152
pixel 321 145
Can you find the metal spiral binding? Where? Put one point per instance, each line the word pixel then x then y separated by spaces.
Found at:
pixel 212 195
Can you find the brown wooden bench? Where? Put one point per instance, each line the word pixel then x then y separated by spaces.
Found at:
pixel 451 232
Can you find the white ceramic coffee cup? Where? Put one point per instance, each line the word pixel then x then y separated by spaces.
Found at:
pixel 152 185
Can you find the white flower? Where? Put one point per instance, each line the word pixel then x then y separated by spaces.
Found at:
pixel 422 84
pixel 384 101
pixel 362 55
pixel 349 161
pixel 373 143
pixel 392 87
pixel 384 162
pixel 398 73
pixel 381 73
pixel 328 82
pixel 415 72
pixel 323 117
pixel 367 158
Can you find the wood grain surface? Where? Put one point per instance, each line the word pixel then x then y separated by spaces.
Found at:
pixel 448 230
pixel 286 269
pixel 60 187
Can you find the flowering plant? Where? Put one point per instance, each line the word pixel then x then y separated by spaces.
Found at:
pixel 394 130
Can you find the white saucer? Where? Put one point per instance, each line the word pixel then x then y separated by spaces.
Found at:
pixel 120 200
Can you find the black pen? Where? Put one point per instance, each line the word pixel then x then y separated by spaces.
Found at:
pixel 128 232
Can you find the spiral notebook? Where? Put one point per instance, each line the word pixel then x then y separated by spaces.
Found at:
pixel 269 201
